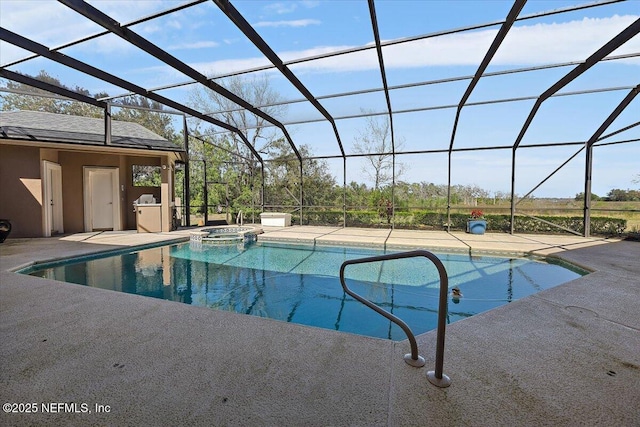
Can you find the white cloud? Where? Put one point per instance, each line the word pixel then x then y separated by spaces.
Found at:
pixel 35 23
pixel 130 10
pixel 194 45
pixel 575 40
pixel 525 45
pixel 281 7
pixel 310 4
pixel 159 27
pixel 53 24
pixel 228 65
pixel 293 23
pixel 150 29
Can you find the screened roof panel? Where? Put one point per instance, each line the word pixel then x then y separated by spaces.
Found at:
pixel 575 9
pixel 491 125
pixel 422 17
pixel 307 28
pixel 427 168
pixel 425 130
pixel 449 52
pixel 338 74
pixel 203 37
pixel 626 156
pixel 427 76
pixel 516 85
pixel 563 115
pixel 346 106
pixel 352 129
pixel 67 76
pixel 41 27
pixel 614 73
pixel 135 10
pixel 475 168
pixel 428 96
pixel 318 136
pixel 535 42
pixel 10 52
pixel 117 57
pixel 626 126
pixel 536 164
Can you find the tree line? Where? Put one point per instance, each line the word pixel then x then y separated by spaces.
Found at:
pixel 615 195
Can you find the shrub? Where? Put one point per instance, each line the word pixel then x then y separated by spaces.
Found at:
pixel 429 220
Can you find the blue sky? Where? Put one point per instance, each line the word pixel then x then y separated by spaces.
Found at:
pixel 205 39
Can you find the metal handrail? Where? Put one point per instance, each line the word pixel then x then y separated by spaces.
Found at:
pixel 435 377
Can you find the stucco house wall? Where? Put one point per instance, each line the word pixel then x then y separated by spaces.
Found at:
pixel 20 190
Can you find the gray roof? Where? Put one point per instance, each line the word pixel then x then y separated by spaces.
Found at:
pixel 40 126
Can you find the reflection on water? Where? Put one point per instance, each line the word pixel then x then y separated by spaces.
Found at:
pixel 300 284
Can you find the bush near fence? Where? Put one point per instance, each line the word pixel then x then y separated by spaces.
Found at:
pixel 428 220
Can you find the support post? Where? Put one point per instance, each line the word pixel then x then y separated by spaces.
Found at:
pixel 344 191
pixel 187 179
pixel 107 124
pixel 513 191
pixel 301 190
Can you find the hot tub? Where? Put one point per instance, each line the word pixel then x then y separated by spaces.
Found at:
pixel 225 235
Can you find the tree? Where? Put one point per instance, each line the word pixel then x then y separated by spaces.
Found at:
pixel 211 158
pixel 257 92
pixel 470 193
pixel 259 132
pixel 422 194
pixel 375 140
pixel 618 195
pixel 34 99
pixel 357 195
pixel 283 179
pixel 159 123
pixel 580 197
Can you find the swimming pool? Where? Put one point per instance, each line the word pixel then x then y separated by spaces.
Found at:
pixel 300 283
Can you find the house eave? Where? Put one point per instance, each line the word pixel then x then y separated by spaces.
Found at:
pixel 178 152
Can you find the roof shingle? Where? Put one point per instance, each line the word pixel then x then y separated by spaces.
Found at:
pixel 50 127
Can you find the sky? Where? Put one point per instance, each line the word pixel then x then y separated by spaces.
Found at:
pixel 205 39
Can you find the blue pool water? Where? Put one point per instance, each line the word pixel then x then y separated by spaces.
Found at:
pixel 300 284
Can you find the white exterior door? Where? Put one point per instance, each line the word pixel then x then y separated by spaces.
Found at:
pixel 101 199
pixel 52 200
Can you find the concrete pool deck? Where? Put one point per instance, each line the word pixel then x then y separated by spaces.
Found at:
pixel 569 355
